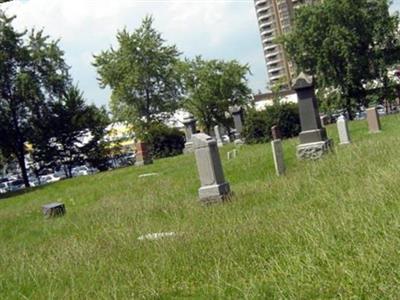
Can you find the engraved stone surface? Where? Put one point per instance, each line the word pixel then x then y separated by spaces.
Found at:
pixel 313 138
pixel 213 188
pixel 374 123
pixel 53 209
pixel 343 131
pixel 143 155
pixel 313 151
pixel 277 153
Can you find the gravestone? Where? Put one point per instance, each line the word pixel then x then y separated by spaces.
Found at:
pixel 143 155
pixel 213 188
pixel 218 137
pixel 237 114
pixel 314 141
pixel 53 209
pixel 190 128
pixel 324 120
pixel 231 154
pixel 374 123
pixel 277 153
pixel 343 131
pixel 276 133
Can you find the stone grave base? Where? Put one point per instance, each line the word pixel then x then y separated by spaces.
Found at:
pixel 313 150
pixel 215 193
pixel 143 161
pixel 188 148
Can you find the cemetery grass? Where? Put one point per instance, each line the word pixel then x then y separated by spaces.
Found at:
pixel 328 229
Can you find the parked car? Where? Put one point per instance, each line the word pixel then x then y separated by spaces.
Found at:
pixel 381 109
pixel 48 178
pixel 4 187
pixel 16 185
pixel 83 170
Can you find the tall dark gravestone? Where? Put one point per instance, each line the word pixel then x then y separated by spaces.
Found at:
pixel 314 141
pixel 237 114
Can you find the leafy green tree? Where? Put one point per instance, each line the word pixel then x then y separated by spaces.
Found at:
pixel 142 75
pixel 344 44
pixel 211 86
pixel 71 133
pixel 32 74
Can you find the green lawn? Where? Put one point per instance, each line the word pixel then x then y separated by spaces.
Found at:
pixel 328 229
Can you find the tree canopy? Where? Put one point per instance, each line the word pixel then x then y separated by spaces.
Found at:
pixel 344 44
pixel 32 74
pixel 70 133
pixel 142 75
pixel 211 86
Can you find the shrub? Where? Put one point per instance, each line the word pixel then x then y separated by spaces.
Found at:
pixel 257 126
pixel 165 141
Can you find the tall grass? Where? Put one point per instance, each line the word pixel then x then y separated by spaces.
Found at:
pixel 328 229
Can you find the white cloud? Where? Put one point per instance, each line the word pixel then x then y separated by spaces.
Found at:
pixel 214 29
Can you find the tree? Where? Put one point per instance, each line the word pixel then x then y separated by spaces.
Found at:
pixel 142 75
pixel 32 74
pixel 71 133
pixel 342 43
pixel 211 86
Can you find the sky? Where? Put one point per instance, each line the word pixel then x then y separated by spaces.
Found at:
pixel 215 29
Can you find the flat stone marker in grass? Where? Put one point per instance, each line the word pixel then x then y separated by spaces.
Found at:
pixel 53 209
pixel 343 131
pixel 157 236
pixel 213 188
pixel 148 175
pixel 374 123
pixel 314 141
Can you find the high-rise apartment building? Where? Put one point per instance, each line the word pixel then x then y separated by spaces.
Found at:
pixel 275 17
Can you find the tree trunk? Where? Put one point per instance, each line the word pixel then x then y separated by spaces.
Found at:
pixel 21 162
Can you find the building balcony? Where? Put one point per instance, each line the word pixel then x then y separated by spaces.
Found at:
pixel 268 40
pixel 275 70
pixel 269 48
pixel 262 9
pixel 264 17
pixel 259 2
pixel 268 23
pixel 275 61
pixel 275 77
pixel 273 53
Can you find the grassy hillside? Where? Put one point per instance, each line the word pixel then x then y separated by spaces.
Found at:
pixel 328 229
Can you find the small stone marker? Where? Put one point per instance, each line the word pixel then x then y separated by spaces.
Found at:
pixel 314 141
pixel 374 123
pixel 53 209
pixel 213 188
pixel 231 154
pixel 190 128
pixel 148 175
pixel 218 137
pixel 343 131
pixel 156 236
pixel 143 155
pixel 277 153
